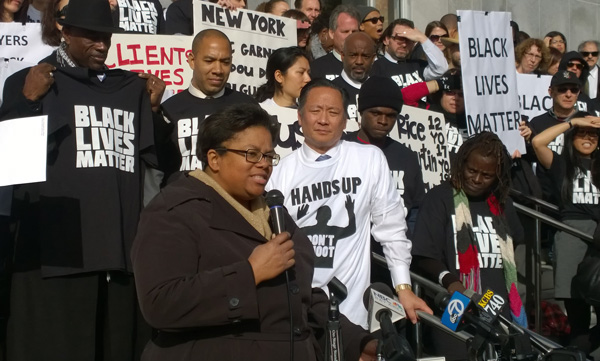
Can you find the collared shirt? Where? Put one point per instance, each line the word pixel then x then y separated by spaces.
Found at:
pixel 199 94
pixel 350 81
pixel 593 82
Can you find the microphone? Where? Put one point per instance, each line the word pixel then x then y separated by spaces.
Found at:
pixel 459 311
pixel 274 199
pixel 379 299
pixel 383 312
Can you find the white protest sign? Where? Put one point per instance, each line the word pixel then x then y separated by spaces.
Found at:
pixel 290 136
pixel 533 95
pixel 23 149
pixel 162 55
pixel 255 35
pixel 489 76
pixel 23 42
pixel 424 132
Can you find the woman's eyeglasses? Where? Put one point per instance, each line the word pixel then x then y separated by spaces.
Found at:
pixel 436 38
pixel 254 155
pixel 375 20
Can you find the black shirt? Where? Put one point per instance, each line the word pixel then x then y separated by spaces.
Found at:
pixel 327 66
pixel 404 73
pixel 186 112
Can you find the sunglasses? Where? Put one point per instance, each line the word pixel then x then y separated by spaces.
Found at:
pixel 588 53
pixel 577 65
pixel 591 133
pixel 436 38
pixel 563 89
pixel 400 39
pixel 375 20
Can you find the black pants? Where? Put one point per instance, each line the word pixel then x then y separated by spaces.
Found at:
pixel 80 318
pixel 579 315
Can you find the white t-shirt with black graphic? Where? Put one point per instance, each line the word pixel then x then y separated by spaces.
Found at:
pixel 334 202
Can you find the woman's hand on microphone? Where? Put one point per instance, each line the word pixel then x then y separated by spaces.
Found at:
pixel 272 258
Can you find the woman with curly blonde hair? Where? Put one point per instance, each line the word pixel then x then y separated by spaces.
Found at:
pixel 531 56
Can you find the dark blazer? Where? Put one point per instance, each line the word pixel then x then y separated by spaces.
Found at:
pixel 196 286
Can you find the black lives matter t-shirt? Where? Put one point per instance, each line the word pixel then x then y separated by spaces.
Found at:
pixel 404 73
pixel 139 16
pixel 352 94
pixel 584 196
pixel 328 67
pixel 185 113
pixel 91 200
pixel 435 235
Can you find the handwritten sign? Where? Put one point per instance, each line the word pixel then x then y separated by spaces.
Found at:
pixel 162 55
pixel 489 76
pixel 424 132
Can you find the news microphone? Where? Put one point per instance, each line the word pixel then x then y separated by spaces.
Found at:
pixel 384 310
pixel 459 311
pixel 274 199
pixel 379 299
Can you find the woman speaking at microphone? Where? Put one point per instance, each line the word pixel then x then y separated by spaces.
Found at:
pixel 212 279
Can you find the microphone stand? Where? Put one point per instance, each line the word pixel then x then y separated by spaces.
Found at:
pixel 334 350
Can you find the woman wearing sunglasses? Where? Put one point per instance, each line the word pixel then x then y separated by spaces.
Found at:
pixel 575 174
pixel 371 22
pixel 435 31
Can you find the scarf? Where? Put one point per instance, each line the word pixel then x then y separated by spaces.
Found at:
pixel 63 58
pixel 468 252
pixel 257 215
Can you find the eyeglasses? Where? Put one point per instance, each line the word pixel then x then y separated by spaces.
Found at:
pixel 535 56
pixel 560 41
pixel 375 20
pixel 436 38
pixel 563 89
pixel 254 155
pixel 589 53
pixel 591 133
pixel 573 64
pixel 62 13
pixel 452 93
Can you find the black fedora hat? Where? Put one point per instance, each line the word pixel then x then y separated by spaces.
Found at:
pixel 92 15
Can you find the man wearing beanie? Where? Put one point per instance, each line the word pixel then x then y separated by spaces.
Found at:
pixel 340 193
pixel 379 103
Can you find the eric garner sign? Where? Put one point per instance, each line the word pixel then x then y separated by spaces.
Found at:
pixel 424 132
pixel 254 36
pixel 489 76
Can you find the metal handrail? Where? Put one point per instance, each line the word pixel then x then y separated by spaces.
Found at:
pixel 536 201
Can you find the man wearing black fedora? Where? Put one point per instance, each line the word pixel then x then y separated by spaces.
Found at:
pixel 72 294
pixel 87 31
